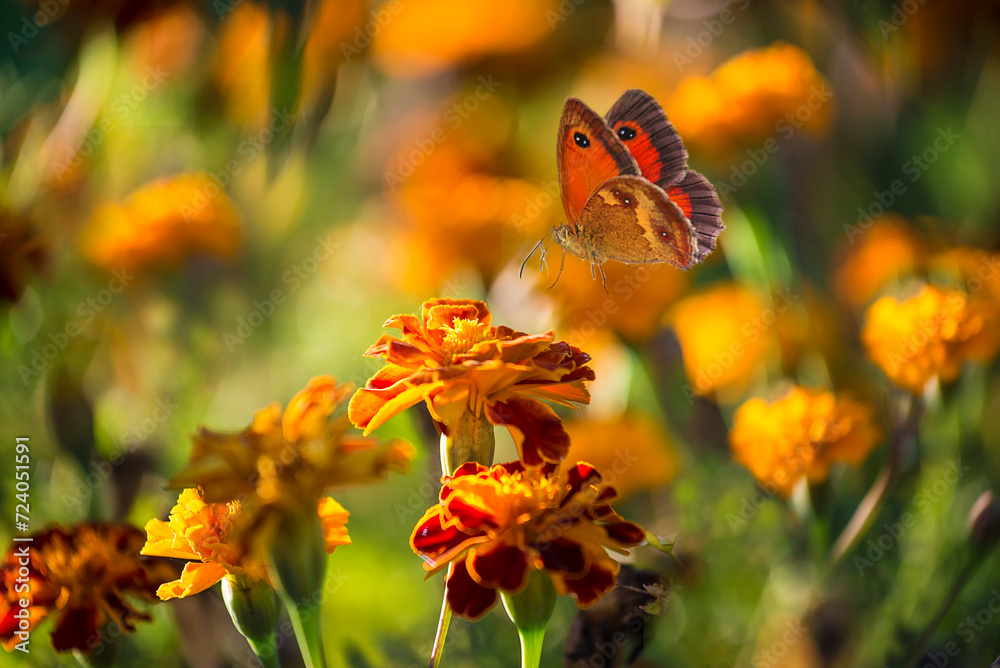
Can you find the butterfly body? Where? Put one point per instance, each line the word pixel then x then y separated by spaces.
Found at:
pixel 626 188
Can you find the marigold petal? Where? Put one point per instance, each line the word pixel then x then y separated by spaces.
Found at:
pixel 195 578
pixel 466 598
pixel 564 556
pixel 535 427
pixel 76 628
pixel 504 567
pixel 625 533
pixel 589 588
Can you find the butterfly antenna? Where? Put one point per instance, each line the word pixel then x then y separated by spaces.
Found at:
pixel 520 273
pixel 562 264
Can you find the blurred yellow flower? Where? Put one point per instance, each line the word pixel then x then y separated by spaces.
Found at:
pixel 800 435
pixel 283 463
pixel 632 450
pixel 87 575
pixel 930 334
pixel 162 223
pixel 425 36
pixel 975 269
pixel 725 332
pixel 633 309
pixel 209 536
pixel 759 93
pixel 887 251
pixel 453 359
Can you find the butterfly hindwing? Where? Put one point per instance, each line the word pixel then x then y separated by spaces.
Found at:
pixel 700 204
pixel 588 154
pixel 632 220
pixel 639 122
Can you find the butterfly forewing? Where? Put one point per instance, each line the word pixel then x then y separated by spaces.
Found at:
pixel 639 122
pixel 588 155
pixel 632 220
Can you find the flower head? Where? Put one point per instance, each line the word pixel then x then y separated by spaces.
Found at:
pixel 496 525
pixel 284 462
pixel 162 223
pixel 886 251
pixel 454 359
pixel 209 535
pixel 85 575
pixel 931 334
pixel 800 435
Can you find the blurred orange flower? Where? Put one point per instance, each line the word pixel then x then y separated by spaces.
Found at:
pixel 887 251
pixel 162 223
pixel 977 270
pixel 208 535
pixel 242 68
pixel 632 450
pixel 496 525
pixel 633 309
pixel 725 332
pixel 930 334
pixel 85 574
pixel 751 97
pixel 801 435
pixel 425 36
pixel 454 359
pixel 283 463
pixel 168 41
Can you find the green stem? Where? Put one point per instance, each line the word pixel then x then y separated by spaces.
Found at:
pixel 531 646
pixel 530 610
pixel 442 630
pixel 305 623
pixel 920 646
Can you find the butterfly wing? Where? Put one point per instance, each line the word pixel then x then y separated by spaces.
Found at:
pixel 640 123
pixel 631 220
pixel 587 154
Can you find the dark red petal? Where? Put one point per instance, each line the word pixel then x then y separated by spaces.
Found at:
pixel 580 475
pixel 505 567
pixel 471 517
pixel 625 533
pixel 592 586
pixel 466 598
pixel 76 628
pixel 536 428
pixel 468 468
pixel 432 538
pixel 563 556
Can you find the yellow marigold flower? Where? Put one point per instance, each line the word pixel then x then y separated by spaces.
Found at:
pixel 85 575
pixel 931 334
pixel 751 97
pixel 888 250
pixel 800 436
pixel 162 223
pixel 425 36
pixel 496 525
pixel 287 461
pixel 209 536
pixel 725 332
pixel 632 450
pixel 453 358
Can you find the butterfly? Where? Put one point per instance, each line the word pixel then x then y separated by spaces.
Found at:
pixel 627 190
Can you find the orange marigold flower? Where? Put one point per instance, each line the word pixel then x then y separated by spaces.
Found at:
pixel 287 461
pixel 931 334
pixel 975 269
pixel 162 223
pixel 209 536
pixel 453 359
pixel 496 525
pixel 886 251
pixel 801 435
pixel 750 97
pixel 85 574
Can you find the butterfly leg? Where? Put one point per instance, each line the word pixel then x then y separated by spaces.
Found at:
pixel 533 249
pixel 604 278
pixel 562 264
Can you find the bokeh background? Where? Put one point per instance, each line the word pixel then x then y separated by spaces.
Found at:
pixel 203 205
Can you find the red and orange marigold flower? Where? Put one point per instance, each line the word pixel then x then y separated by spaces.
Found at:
pixel 496 525
pixel 801 435
pixel 454 359
pixel 85 575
